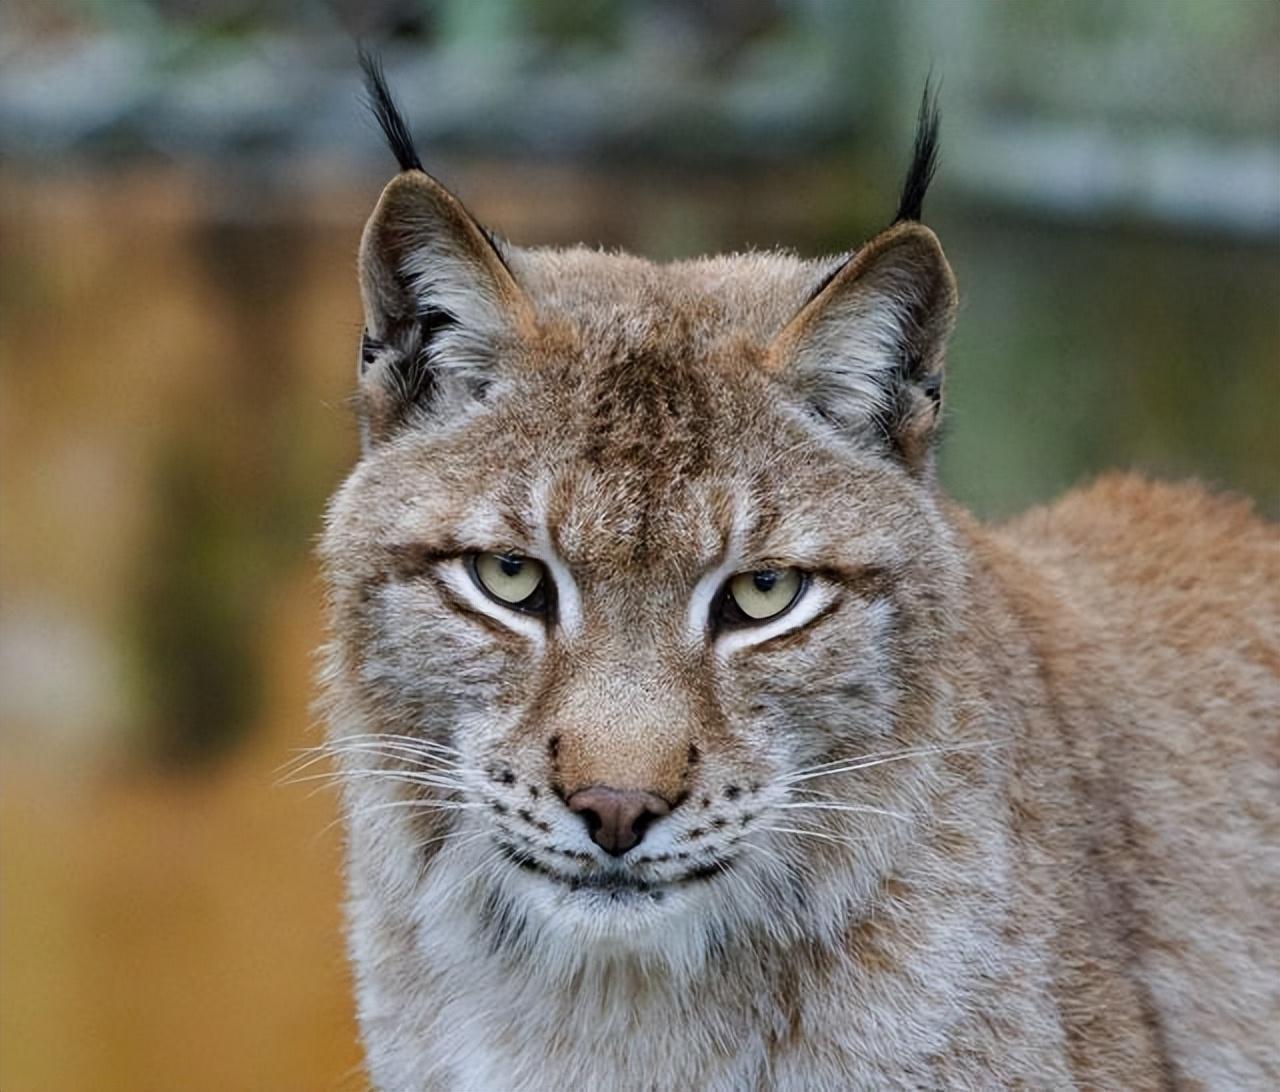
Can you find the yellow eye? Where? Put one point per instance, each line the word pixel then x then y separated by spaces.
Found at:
pixel 764 594
pixel 515 581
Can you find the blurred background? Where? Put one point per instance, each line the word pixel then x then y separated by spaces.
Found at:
pixel 183 186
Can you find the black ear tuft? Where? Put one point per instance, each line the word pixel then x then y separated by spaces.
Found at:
pixel 378 98
pixel 924 157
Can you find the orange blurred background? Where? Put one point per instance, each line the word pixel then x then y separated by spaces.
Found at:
pixel 170 912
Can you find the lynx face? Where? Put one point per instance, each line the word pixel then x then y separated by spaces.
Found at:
pixel 630 664
pixel 638 581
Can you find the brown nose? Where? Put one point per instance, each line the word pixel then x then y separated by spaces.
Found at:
pixel 617 819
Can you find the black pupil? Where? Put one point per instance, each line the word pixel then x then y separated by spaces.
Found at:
pixel 765 580
pixel 511 566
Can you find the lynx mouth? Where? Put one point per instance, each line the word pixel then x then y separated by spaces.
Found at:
pixel 619 885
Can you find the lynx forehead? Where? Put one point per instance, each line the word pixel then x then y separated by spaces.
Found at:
pixel 689 736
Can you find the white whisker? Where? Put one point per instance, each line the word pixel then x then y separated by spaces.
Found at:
pixel 417 741
pixel 392 747
pixel 407 777
pixel 455 836
pixel 821 835
pixel 417 805
pixel 375 743
pixel 892 756
pixel 386 748
pixel 866 809
pixel 420 805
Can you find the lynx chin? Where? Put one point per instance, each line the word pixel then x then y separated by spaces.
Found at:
pixel 691 738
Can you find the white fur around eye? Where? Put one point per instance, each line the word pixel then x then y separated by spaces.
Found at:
pixel 704 595
pixel 813 600
pixel 458 579
pixel 568 606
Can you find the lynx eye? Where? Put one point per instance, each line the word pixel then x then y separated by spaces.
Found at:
pixel 758 596
pixel 518 582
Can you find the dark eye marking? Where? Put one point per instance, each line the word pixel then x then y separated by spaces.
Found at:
pixel 410 560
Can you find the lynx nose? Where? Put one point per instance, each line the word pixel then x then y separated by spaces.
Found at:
pixel 617 819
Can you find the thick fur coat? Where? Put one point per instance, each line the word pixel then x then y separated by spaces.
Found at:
pixel 980 807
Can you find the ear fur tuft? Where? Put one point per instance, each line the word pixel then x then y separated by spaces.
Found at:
pixel 924 157
pixel 384 109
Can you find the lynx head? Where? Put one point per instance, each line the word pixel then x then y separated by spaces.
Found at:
pixel 639 582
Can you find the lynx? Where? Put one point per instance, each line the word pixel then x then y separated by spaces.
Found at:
pixel 691 738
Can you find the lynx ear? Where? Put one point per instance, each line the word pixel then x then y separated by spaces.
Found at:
pixel 439 298
pixel 866 352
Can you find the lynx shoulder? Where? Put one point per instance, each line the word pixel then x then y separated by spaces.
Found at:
pixel 691 738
